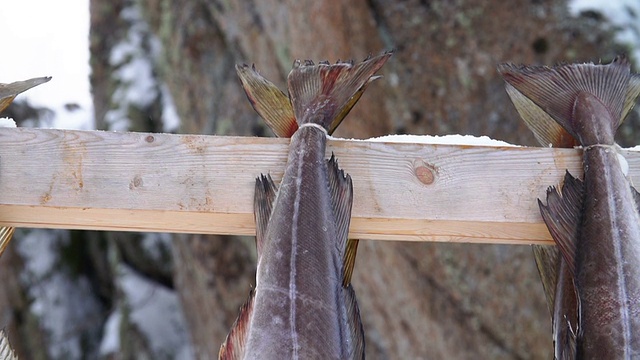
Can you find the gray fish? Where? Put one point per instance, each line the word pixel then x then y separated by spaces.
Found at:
pixel 594 222
pixel 303 305
pixel 8 92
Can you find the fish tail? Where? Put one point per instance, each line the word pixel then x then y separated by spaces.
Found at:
pixel 571 96
pixel 324 94
pixel 8 92
pixel 6 233
pixel 268 101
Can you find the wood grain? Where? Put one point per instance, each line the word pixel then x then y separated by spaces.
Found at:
pixel 204 184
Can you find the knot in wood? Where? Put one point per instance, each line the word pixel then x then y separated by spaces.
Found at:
pixel 425 172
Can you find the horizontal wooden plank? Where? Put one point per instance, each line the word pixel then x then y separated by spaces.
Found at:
pixel 204 184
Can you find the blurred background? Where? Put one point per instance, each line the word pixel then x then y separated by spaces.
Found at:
pixel 168 66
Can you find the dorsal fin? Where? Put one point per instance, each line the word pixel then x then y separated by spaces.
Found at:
pixel 268 101
pixel 322 93
pixel 562 215
pixel 8 92
pixel 556 90
pixel 341 190
pixel 264 196
pixel 234 345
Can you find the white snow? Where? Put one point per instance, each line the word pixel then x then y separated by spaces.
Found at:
pixel 170 118
pixel 7 122
pixel 110 343
pixel 156 312
pixel 63 303
pixel 446 139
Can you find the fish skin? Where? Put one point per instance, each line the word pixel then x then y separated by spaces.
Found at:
pixel 595 223
pixel 286 299
pixel 303 306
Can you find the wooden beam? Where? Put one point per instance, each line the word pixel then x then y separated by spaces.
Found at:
pixel 204 184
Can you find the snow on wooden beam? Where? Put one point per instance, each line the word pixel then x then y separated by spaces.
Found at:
pixel 204 184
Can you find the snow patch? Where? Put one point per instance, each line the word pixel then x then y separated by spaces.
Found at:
pixel 442 140
pixel 170 118
pixel 138 87
pixel 64 305
pixel 156 312
pixel 110 343
pixel 7 122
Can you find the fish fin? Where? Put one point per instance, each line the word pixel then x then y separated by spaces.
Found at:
pixel 6 352
pixel 322 93
pixel 268 101
pixel 354 323
pixel 341 190
pixel 636 197
pixel 565 314
pixel 547 258
pixel 632 95
pixel 236 341
pixel 265 194
pixel 349 260
pixel 347 108
pixel 6 232
pixel 8 92
pixel 546 130
pixel 6 101
pixel 562 215
pixel 556 90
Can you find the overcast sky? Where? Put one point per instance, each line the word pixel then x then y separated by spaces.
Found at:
pixel 47 38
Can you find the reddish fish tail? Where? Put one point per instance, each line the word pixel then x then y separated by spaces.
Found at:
pixel 317 91
pixel 572 96
pixel 323 94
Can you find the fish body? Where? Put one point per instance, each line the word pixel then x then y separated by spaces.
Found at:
pixel 594 222
pixel 300 305
pixel 303 305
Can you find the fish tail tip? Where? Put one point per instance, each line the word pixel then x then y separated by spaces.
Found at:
pixel 325 93
pixel 268 101
pixel 567 92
